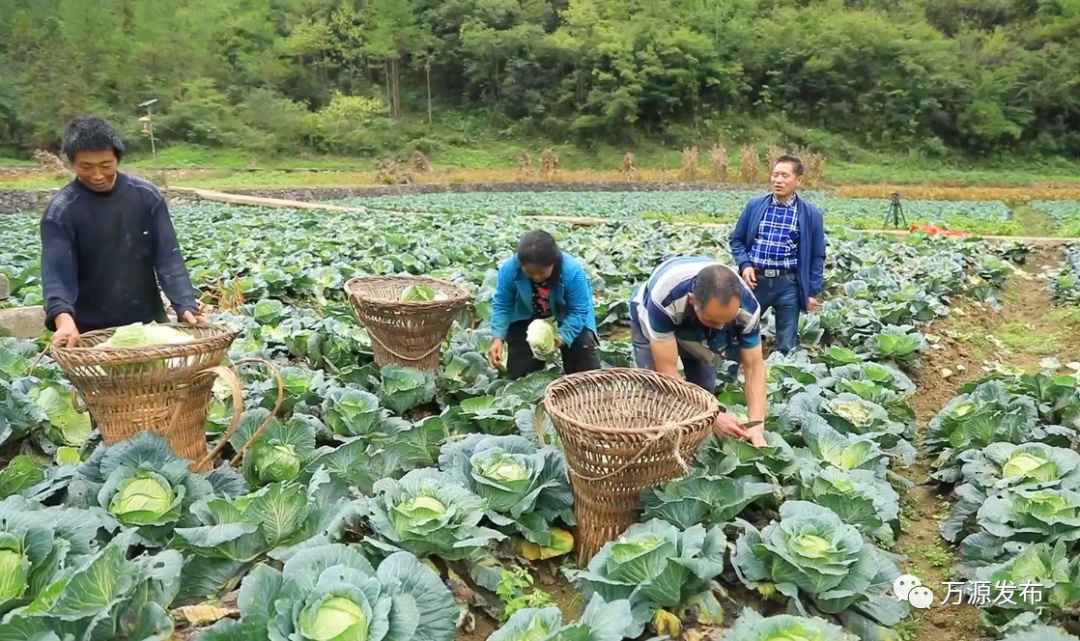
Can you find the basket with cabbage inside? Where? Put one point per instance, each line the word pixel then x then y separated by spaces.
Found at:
pixel 407 317
pixel 159 378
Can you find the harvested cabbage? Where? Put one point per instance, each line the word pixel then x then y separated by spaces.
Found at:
pixel 421 293
pixel 138 334
pixel 541 335
pixel 142 335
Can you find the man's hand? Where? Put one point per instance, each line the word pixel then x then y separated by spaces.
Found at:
pixel 756 435
pixel 728 425
pixel 750 276
pixel 496 353
pixel 558 342
pixel 66 335
pixel 193 318
pixel 812 303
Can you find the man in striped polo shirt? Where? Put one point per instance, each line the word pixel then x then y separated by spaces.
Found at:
pixel 779 246
pixel 698 310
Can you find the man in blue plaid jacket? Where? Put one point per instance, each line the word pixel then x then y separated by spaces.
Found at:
pixel 779 246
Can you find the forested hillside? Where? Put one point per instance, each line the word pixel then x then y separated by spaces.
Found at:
pixel 947 77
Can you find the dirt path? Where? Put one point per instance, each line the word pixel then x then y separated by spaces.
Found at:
pixel 1027 329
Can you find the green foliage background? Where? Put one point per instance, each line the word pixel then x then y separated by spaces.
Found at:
pixel 351 77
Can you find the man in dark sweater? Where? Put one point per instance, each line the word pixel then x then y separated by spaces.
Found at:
pixel 107 241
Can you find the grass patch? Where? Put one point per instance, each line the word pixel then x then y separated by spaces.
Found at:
pixel 1025 337
pixel 1032 221
pixel 1022 337
pixel 934 554
pixel 908 629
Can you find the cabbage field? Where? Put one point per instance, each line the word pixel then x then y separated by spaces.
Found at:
pixel 987 217
pixel 389 504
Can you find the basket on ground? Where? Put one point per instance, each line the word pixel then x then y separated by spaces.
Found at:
pixel 623 430
pixel 408 333
pixel 160 388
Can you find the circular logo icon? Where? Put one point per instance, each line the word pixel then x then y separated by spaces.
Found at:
pixel 920 597
pixel 903 584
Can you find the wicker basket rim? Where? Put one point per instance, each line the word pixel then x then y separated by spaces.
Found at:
pixel 358 295
pixel 217 334
pixel 355 283
pixel 692 422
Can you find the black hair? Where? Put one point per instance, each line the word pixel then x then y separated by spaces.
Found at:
pixel 795 162
pixel 716 281
pixel 91 133
pixel 538 248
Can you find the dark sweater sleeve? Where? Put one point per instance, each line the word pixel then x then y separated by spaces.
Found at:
pixel 169 262
pixel 59 269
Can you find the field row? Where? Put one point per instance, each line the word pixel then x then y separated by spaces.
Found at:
pixel 991 217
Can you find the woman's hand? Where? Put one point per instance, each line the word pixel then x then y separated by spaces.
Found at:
pixel 496 353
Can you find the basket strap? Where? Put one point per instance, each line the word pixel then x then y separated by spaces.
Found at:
pixel 474 317
pixel 229 375
pixel 37 360
pixel 276 373
pixel 233 381
pixel 676 446
pixel 402 357
pixel 75 401
pixel 539 414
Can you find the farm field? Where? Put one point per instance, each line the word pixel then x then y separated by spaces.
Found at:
pixel 989 217
pixel 927 427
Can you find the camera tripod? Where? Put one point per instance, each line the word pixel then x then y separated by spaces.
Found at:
pixel 895 215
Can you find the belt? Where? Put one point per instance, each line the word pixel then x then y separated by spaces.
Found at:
pixel 773 273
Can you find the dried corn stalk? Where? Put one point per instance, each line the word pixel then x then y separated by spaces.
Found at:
pixel 749 164
pixel 629 166
pixel 549 164
pixel 690 167
pixel 719 157
pixel 420 162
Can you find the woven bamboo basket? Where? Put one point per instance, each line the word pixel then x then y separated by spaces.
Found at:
pixel 159 388
pixel 408 333
pixel 623 430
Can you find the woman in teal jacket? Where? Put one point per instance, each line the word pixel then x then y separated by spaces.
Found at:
pixel 542 282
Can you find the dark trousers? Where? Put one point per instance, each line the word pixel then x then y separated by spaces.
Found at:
pixel 781 294
pixel 581 356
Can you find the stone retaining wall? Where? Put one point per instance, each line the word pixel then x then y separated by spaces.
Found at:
pixel 14 201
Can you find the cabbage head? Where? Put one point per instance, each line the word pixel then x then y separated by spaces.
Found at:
pixel 333 593
pixel 655 566
pixel 427 512
pixel 145 486
pixel 140 335
pixel 526 488
pixel 1002 467
pixel 14 568
pixel 859 497
pixel 142 497
pixel 421 293
pixel 751 626
pixel 541 336
pixel 811 553
pixel 277 463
